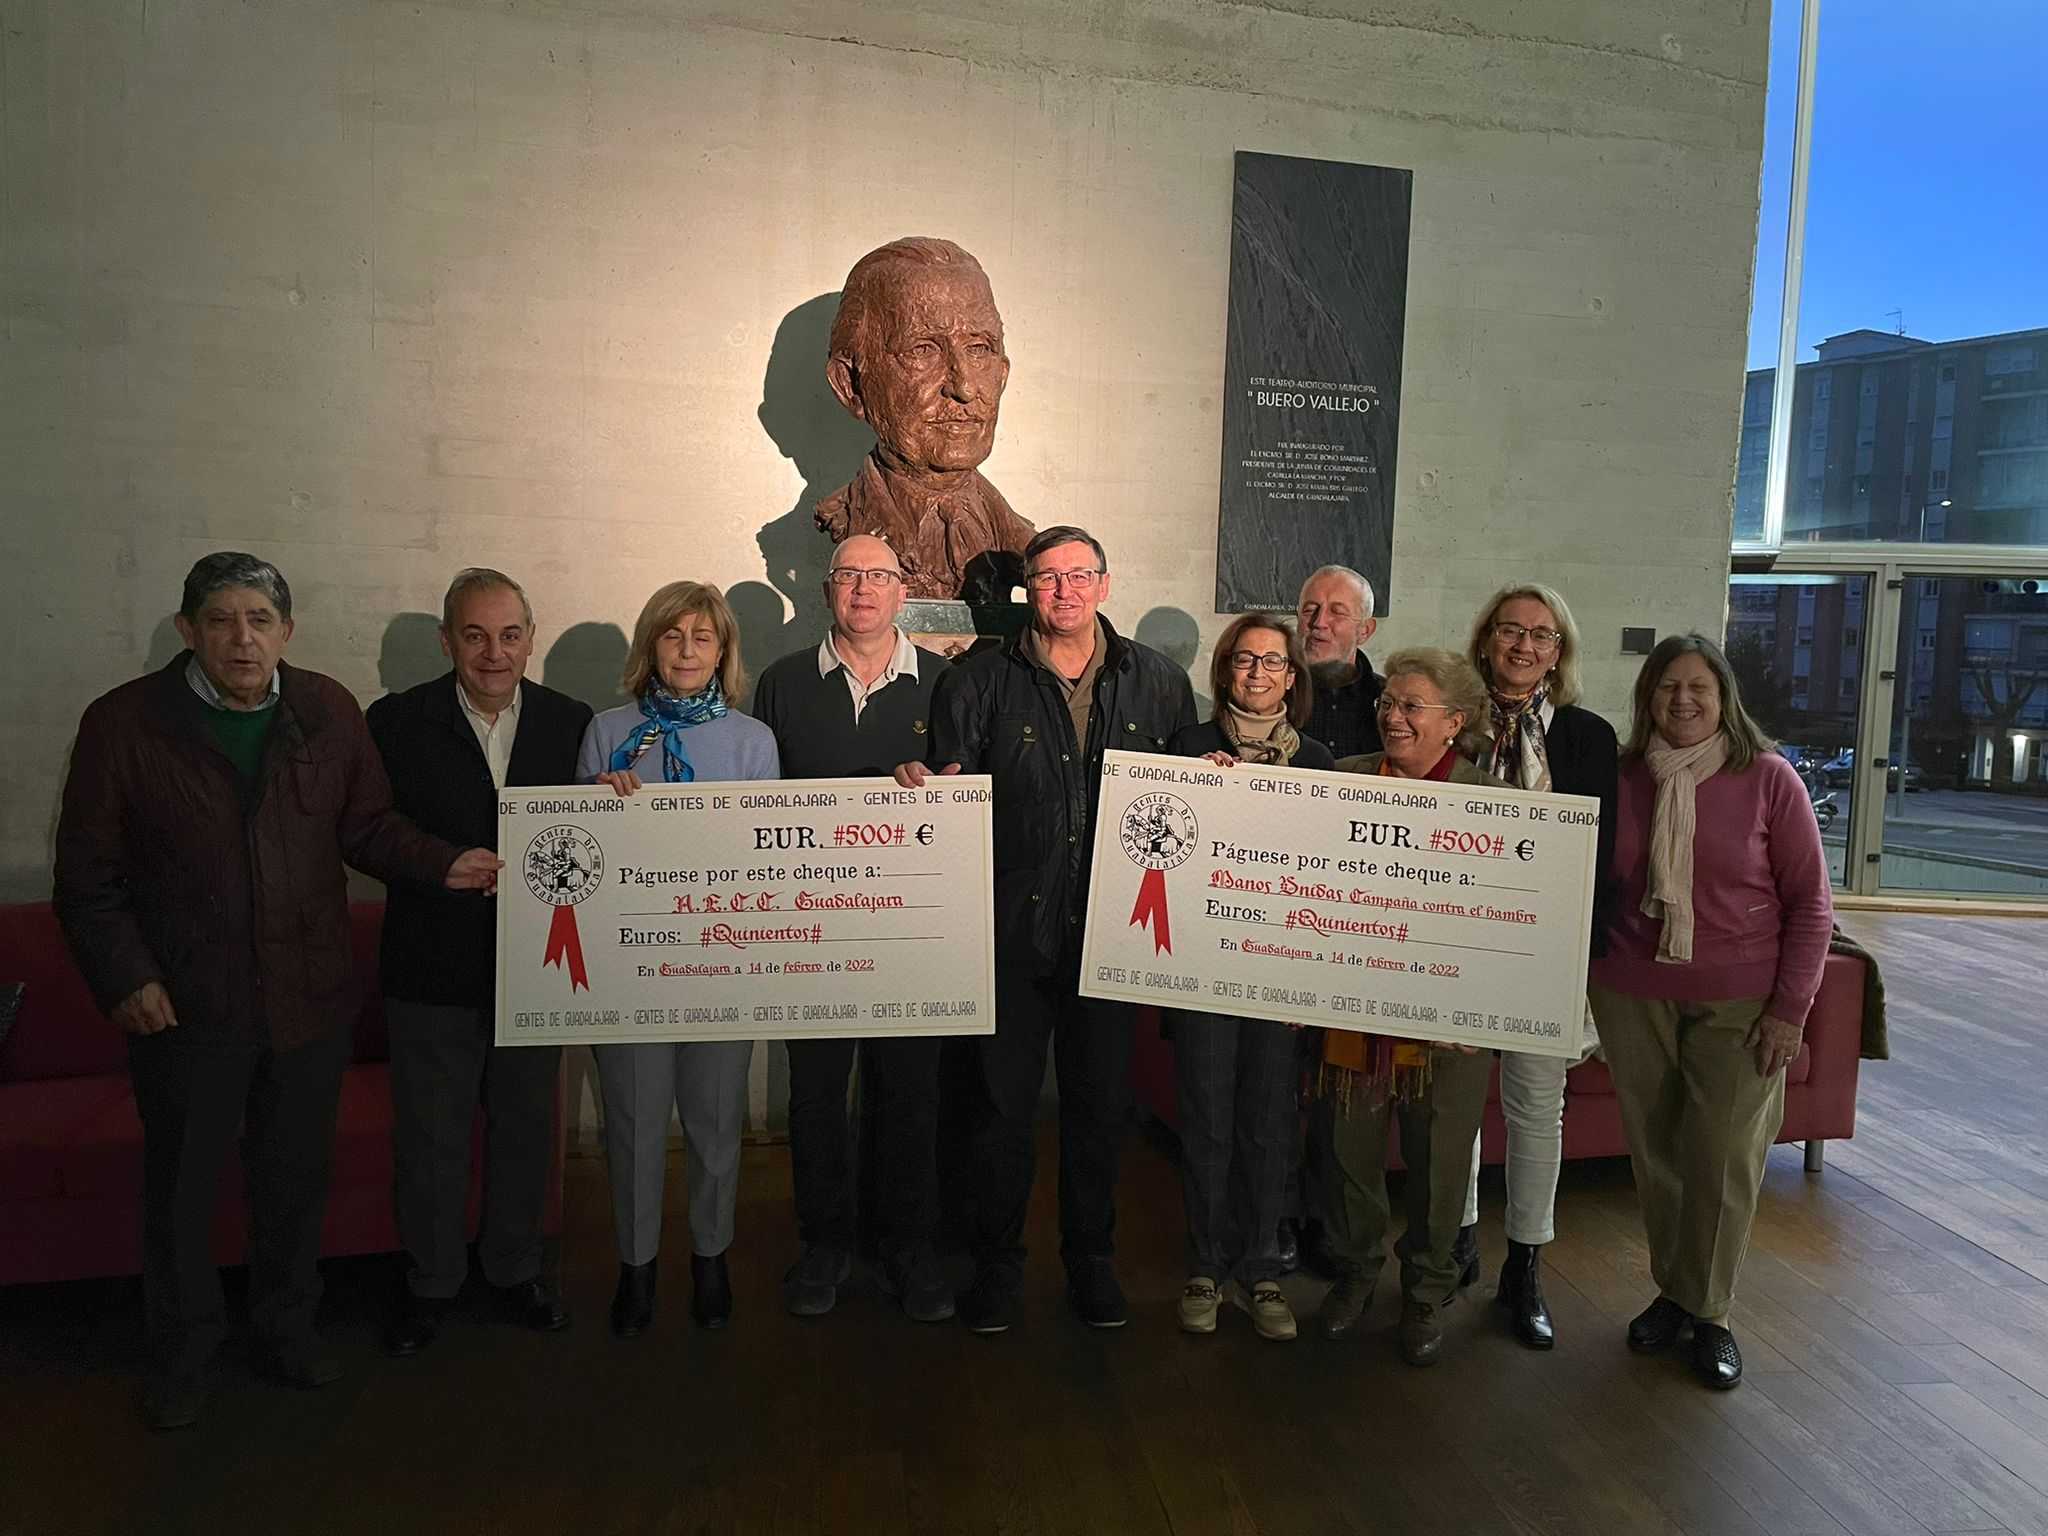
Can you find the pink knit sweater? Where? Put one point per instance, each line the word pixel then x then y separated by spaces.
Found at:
pixel 1763 909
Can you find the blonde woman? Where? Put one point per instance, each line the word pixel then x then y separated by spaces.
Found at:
pixel 1539 737
pixel 682 674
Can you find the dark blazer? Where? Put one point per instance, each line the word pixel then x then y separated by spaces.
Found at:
pixel 1201 740
pixel 234 896
pixel 440 946
pixel 1585 759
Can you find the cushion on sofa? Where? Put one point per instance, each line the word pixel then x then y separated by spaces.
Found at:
pixel 59 1032
pixel 40 1123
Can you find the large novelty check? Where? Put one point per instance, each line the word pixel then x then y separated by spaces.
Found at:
pixel 770 909
pixel 1399 906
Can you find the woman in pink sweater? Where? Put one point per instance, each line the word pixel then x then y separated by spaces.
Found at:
pixel 1721 928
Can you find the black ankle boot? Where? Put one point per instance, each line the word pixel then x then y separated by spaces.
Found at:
pixel 710 1292
pixel 1465 1254
pixel 1521 1292
pixel 633 1301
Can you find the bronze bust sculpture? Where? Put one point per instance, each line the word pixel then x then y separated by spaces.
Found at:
pixel 917 353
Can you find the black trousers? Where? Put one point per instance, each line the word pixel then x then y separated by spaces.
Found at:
pixel 195 1090
pixel 443 1067
pixel 1091 1044
pixel 900 1091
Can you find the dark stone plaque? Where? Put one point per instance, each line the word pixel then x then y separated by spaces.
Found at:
pixel 1311 376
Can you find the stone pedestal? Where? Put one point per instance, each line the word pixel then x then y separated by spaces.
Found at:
pixel 955 628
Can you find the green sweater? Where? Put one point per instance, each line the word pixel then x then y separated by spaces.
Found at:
pixel 242 734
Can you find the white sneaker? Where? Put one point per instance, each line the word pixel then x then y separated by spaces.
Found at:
pixel 1268 1307
pixel 1198 1303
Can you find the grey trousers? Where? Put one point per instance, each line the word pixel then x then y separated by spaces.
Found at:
pixel 443 1067
pixel 706 1083
pixel 1236 1080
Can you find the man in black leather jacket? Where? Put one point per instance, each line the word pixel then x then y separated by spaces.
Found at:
pixel 1037 714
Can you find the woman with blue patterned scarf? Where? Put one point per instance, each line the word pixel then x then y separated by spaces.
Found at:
pixel 682 674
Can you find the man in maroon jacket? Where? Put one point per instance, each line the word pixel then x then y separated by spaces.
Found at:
pixel 207 817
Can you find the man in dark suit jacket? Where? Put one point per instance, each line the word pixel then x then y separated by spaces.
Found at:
pixel 449 746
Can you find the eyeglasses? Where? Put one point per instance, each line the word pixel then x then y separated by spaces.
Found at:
pixel 847 575
pixel 1408 709
pixel 1270 661
pixel 1078 581
pixel 1540 639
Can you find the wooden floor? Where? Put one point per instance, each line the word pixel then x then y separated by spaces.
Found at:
pixel 1894 1312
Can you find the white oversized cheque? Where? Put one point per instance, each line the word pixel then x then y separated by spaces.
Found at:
pixel 1397 906
pixel 768 909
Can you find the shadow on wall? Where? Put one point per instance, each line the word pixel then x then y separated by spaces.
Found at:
pixel 411 652
pixel 764 635
pixel 1174 634
pixel 586 663
pixel 164 643
pixel 814 432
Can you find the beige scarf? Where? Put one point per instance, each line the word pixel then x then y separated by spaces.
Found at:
pixel 1263 739
pixel 1679 772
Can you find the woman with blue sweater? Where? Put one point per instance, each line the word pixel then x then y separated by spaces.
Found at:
pixel 682 673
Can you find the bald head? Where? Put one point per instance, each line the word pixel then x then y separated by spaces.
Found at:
pixel 864 589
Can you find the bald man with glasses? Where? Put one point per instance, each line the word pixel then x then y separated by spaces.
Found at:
pixel 854 706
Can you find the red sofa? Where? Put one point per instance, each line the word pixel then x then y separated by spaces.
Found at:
pixel 1820 1086
pixel 71 1142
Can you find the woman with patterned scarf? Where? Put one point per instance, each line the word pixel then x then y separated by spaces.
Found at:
pixel 1526 647
pixel 1721 923
pixel 682 674
pixel 1238 1078
pixel 1429 710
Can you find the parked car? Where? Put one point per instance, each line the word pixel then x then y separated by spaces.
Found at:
pixel 1839 772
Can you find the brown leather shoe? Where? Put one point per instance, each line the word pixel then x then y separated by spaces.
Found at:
pixel 1422 1336
pixel 1344 1306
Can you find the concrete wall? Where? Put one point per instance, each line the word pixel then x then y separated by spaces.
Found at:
pixel 380 290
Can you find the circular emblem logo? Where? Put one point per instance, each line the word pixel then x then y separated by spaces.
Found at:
pixel 1159 831
pixel 564 866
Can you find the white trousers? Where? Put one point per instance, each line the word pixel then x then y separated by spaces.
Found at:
pixel 706 1083
pixel 1532 1104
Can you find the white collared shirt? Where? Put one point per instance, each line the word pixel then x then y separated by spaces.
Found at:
pixel 201 684
pixel 902 663
pixel 494 736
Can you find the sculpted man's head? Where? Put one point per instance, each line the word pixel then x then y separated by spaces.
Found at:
pixel 917 353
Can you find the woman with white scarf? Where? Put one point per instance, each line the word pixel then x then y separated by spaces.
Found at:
pixel 1526 647
pixel 1721 927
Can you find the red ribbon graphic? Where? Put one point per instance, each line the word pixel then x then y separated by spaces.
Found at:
pixel 563 940
pixel 1151 908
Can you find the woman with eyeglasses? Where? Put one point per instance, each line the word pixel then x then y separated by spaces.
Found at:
pixel 1432 705
pixel 1721 928
pixel 1238 1078
pixel 682 673
pixel 1526 648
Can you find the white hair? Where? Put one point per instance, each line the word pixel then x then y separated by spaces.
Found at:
pixel 1365 596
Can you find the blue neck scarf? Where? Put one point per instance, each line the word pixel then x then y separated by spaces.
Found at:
pixel 667 718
